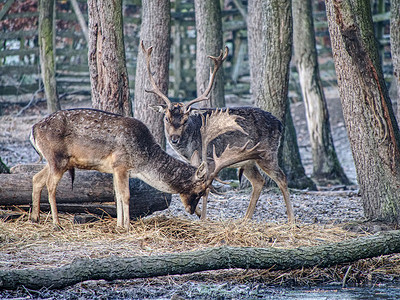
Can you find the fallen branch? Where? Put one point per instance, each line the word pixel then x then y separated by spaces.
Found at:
pixel 112 268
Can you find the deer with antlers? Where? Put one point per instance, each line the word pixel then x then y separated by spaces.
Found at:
pixel 183 131
pixel 97 140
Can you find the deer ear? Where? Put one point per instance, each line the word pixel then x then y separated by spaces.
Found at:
pixel 201 171
pixel 158 108
pixel 195 159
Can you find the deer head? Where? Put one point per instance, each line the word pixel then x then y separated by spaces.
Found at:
pixel 177 114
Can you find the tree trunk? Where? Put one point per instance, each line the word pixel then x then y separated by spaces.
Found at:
pixel 90 191
pixel 395 48
pixel 326 166
pixel 208 42
pixel 81 19
pixel 112 268
pixel 254 39
pixel 107 65
pixel 371 126
pixel 48 53
pixel 155 31
pixel 270 54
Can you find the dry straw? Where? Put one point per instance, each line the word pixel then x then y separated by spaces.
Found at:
pixel 24 244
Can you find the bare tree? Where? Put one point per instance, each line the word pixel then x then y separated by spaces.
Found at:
pixel 270 53
pixel 107 64
pixel 367 109
pixel 208 42
pixel 48 53
pixel 155 31
pixel 326 166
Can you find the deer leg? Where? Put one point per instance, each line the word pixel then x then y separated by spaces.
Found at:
pixel 38 183
pixel 204 207
pixel 275 172
pixel 257 182
pixel 53 179
pixel 121 187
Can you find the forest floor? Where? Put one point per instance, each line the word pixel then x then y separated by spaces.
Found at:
pixel 330 214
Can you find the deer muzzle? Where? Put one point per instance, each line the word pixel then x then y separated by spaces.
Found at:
pixel 175 139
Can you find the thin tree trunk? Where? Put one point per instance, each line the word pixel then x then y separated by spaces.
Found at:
pixel 107 65
pixel 255 39
pixel 113 268
pixel 367 109
pixel 395 47
pixel 326 166
pixel 208 42
pixel 48 53
pixel 155 31
pixel 290 159
pixel 81 19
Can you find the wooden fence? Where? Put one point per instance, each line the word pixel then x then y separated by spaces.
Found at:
pixel 19 54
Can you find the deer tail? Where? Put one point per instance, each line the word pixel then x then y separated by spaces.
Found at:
pixel 33 143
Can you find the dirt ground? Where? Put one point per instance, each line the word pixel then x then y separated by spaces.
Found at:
pixel 316 213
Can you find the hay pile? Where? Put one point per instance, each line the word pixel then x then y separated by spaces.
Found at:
pixel 27 245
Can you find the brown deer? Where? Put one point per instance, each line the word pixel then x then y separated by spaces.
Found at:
pixel 183 131
pixel 97 140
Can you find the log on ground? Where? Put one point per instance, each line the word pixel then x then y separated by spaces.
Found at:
pixel 113 268
pixel 90 189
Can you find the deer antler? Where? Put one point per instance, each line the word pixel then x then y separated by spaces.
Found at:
pixel 155 90
pixel 215 124
pixel 217 64
pixel 233 155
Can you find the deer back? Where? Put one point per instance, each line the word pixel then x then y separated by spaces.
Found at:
pixel 92 139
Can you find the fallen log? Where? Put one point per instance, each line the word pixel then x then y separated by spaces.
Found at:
pixel 113 268
pixel 90 190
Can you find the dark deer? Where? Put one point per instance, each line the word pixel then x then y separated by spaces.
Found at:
pixel 97 140
pixel 183 131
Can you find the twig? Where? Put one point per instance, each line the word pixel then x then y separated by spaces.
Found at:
pixel 33 101
pixel 345 276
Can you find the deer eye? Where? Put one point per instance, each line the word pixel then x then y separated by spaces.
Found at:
pixel 167 120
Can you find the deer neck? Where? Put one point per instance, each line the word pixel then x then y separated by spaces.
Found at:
pixel 167 173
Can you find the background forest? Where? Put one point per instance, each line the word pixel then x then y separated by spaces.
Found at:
pixel 183 34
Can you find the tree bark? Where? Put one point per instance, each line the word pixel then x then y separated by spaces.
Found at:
pixel 155 31
pixel 47 50
pixel 254 40
pixel 107 64
pixel 367 109
pixel 395 47
pixel 91 189
pixel 112 268
pixel 208 42
pixel 326 166
pixel 270 54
